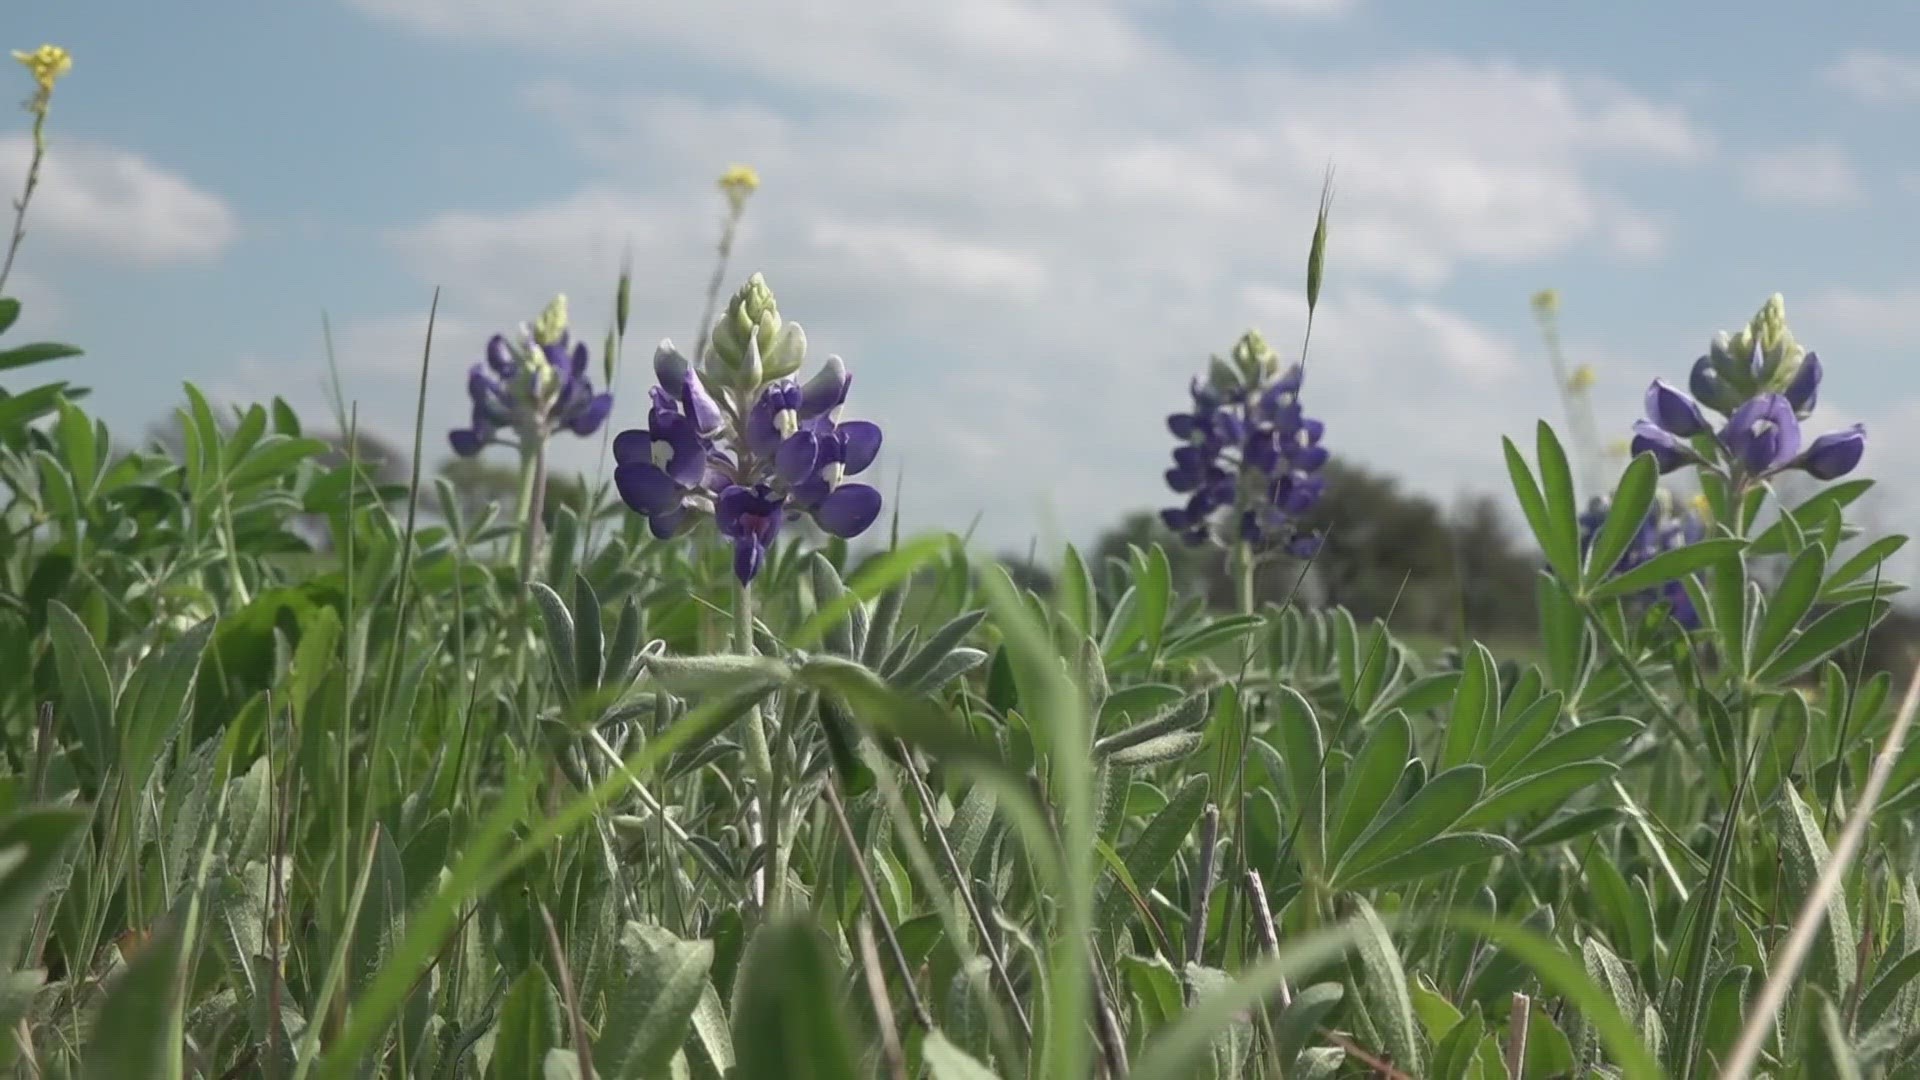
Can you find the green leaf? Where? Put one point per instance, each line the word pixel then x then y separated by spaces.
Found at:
pixel 560 639
pixel 1184 714
pixel 1299 1022
pixel 1154 850
pixel 1078 599
pixel 890 714
pixel 948 1062
pixel 1556 488
pixel 1521 736
pixel 1562 556
pixel 20 409
pixel 875 576
pixel 1383 988
pixel 78 450
pixel 1157 750
pixel 529 1027
pixel 1589 740
pixel 33 853
pixel 649 1012
pixel 155 701
pixel 1435 807
pixel 1789 601
pixel 710 1048
pixel 696 677
pixel 1539 791
pixel 1832 962
pixel 9 313
pixel 1829 632
pixel 1302 749
pixel 1632 499
pixel 589 644
pixel 86 690
pixel 1831 1036
pixel 1214 635
pixel 1667 566
pixel 1773 540
pixel 1176 1051
pixel 1475 703
pixel 1563 630
pixel 1864 562
pixel 139 1030
pixel 1155 585
pixel 1886 989
pixel 1370 781
pixel 940 644
pixel 1441 855
pixel 37 353
pixel 787 995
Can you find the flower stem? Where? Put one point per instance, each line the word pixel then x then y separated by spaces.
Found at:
pixel 1244 565
pixel 760 760
pixel 26 195
pixel 533 493
pixel 724 253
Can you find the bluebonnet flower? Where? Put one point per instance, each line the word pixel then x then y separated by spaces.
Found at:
pixel 1666 527
pixel 743 441
pixel 532 388
pixel 1249 458
pixel 1765 384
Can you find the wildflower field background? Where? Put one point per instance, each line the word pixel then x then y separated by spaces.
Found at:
pixel 319 761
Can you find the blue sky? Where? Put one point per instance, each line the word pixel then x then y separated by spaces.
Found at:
pixel 1023 224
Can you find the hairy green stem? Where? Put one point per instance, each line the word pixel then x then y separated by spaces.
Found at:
pixel 533 493
pixel 766 886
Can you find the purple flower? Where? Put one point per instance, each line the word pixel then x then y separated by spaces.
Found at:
pixel 1255 433
pixel 1668 451
pixel 774 450
pixel 1835 454
pixel 533 389
pixel 1662 531
pixel 826 391
pixel 1804 391
pixel 1763 435
pixel 750 517
pixel 1673 411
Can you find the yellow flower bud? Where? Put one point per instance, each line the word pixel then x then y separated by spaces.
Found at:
pixel 1582 379
pixel 738 182
pixel 1546 301
pixel 47 64
pixel 552 324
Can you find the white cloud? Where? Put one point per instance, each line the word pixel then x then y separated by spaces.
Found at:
pixel 1042 219
pixel 117 204
pixel 41 306
pixel 903 252
pixel 1819 175
pixel 1888 318
pixel 1308 8
pixel 1877 78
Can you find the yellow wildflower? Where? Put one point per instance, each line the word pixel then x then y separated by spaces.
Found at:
pixel 1619 448
pixel 47 63
pixel 739 181
pixel 1701 506
pixel 1546 301
pixel 1582 379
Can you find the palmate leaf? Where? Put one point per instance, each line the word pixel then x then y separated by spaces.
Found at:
pixel 1370 781
pixel 1439 803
